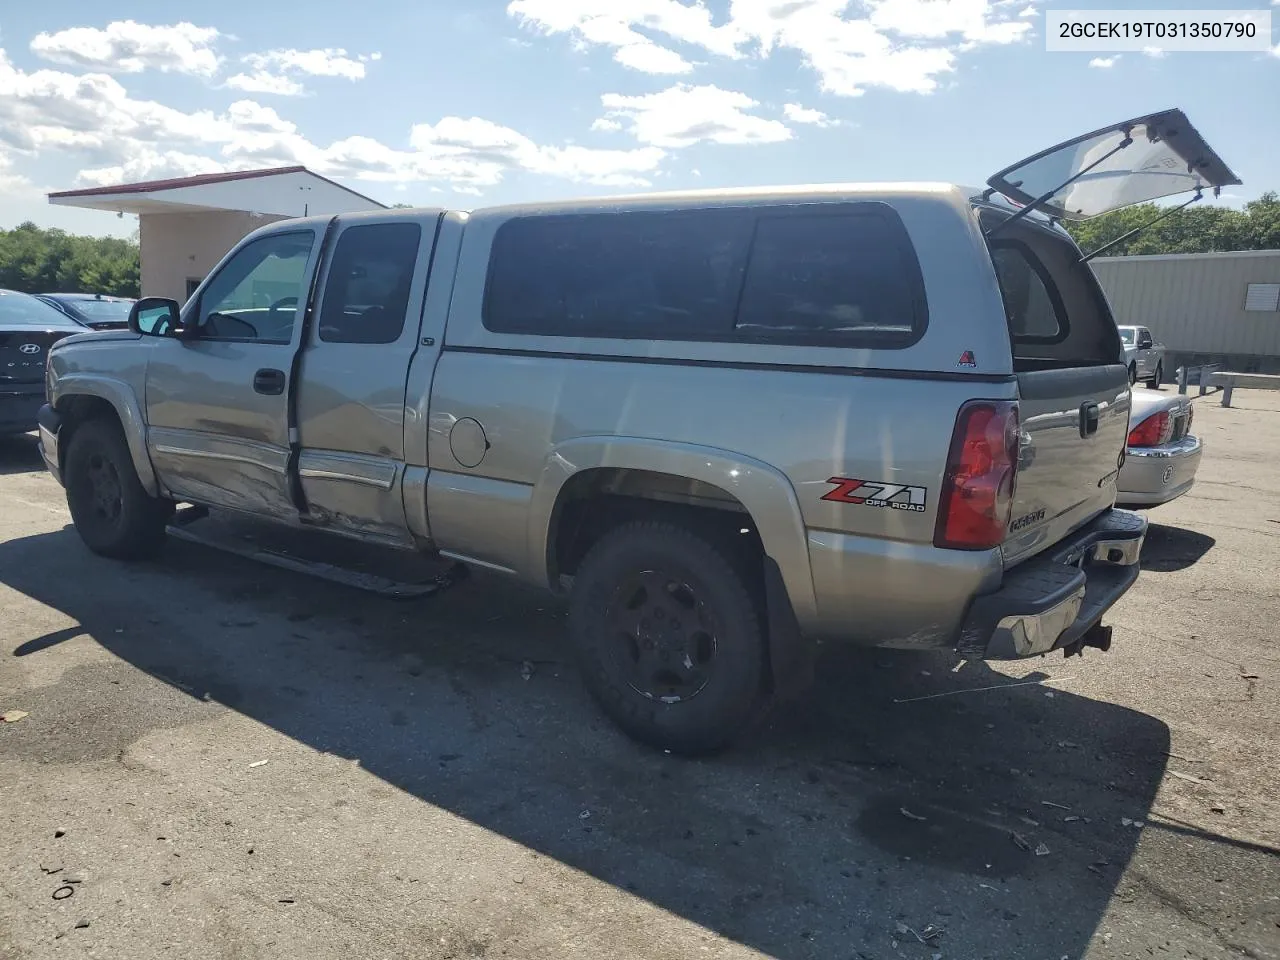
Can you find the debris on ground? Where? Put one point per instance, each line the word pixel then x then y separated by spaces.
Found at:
pixel 1137 824
pixel 13 716
pixel 257 763
pixel 585 815
pixel 925 936
pixel 81 924
pixel 1177 756
pixel 63 892
pixel 1042 850
pixel 1187 777
pixel 50 870
pixel 1056 806
pixel 526 670
pixel 58 834
pixel 1029 822
pixel 911 816
pixel 1074 819
pixel 1020 840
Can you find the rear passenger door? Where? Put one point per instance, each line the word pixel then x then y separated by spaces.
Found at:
pixel 351 393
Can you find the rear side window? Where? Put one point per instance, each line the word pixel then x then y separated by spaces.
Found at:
pixel 1031 302
pixel 367 291
pixel 626 275
pixel 845 275
pixel 831 277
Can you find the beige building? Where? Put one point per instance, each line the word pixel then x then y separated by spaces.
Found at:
pixel 1204 307
pixel 185 226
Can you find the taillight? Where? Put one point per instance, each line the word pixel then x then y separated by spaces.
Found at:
pixel 982 469
pixel 1152 432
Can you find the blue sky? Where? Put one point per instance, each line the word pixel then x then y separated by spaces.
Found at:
pixel 488 101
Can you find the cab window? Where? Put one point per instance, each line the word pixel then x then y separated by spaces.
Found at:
pixel 256 295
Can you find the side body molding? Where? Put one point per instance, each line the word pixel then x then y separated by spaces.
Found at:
pixel 765 491
pixel 125 402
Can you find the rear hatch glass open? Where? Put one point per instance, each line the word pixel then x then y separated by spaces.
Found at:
pixel 1157 155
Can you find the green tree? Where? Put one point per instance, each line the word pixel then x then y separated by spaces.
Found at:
pixel 1197 229
pixel 35 260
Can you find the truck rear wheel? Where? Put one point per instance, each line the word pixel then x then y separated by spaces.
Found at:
pixel 1156 378
pixel 113 514
pixel 1133 374
pixel 668 638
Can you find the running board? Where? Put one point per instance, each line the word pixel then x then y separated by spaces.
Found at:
pixel 368 582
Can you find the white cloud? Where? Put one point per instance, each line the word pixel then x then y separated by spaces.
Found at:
pixel 1155 53
pixel 273 71
pixel 1027 12
pixel 126 46
pixel 684 115
pixel 1103 63
pixel 607 125
pixel 903 45
pixel 315 63
pixel 799 114
pixel 121 138
pixel 262 82
pixel 608 24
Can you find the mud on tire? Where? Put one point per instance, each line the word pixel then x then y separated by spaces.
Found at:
pixel 668 638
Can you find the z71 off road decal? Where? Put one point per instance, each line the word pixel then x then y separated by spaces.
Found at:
pixel 875 493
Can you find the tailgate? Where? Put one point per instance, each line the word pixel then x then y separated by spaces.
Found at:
pixel 1073 388
pixel 1074 423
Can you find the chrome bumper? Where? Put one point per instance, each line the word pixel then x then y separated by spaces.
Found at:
pixel 1155 475
pixel 1052 602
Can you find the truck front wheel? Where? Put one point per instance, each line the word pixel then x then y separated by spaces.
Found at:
pixel 112 513
pixel 668 638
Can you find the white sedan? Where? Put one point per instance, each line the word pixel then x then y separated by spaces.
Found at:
pixel 1162 455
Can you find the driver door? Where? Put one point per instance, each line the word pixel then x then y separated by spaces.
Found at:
pixel 217 399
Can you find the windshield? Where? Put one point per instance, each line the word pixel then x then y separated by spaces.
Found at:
pixel 96 310
pixel 1128 336
pixel 18 309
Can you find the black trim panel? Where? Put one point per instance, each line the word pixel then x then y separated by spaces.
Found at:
pixel 888 374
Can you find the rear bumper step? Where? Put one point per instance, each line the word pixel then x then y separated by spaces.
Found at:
pixel 1057 602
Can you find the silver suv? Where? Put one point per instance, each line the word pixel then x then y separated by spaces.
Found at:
pixel 726 424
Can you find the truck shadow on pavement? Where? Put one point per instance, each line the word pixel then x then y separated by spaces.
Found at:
pixel 899 798
pixel 20 453
pixel 1168 549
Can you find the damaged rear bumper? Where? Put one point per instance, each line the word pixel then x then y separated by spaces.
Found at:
pixel 1056 601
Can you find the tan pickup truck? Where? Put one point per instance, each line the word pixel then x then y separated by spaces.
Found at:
pixel 725 424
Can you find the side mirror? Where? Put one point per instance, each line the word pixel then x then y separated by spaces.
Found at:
pixel 155 317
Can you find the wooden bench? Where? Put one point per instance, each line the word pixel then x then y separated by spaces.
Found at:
pixel 1228 381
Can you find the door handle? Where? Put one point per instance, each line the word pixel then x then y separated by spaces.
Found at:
pixel 268 381
pixel 1090 414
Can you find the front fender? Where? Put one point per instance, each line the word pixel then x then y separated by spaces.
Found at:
pixel 765 491
pixel 125 403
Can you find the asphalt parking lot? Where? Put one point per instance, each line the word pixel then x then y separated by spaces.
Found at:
pixel 222 759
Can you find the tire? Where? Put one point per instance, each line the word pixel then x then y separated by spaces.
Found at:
pixel 683 668
pixel 1133 374
pixel 1157 378
pixel 114 516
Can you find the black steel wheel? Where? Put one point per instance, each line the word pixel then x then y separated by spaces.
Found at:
pixel 112 512
pixel 668 637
